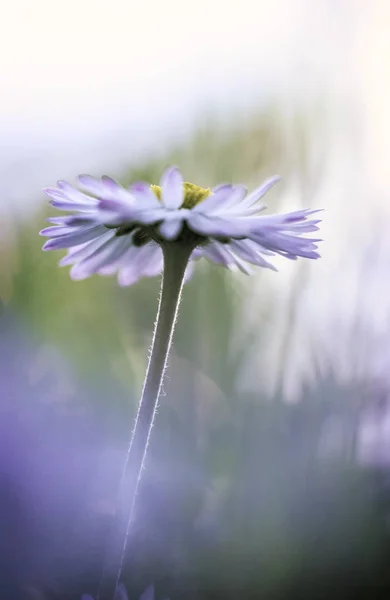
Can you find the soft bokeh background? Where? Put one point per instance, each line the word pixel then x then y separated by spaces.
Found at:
pixel 268 474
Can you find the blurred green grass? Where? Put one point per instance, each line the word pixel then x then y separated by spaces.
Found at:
pixel 99 326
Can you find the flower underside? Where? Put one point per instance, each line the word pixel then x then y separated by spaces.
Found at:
pixel 142 234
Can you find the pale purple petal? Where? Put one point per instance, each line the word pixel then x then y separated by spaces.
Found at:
pixel 54 193
pixel 131 264
pixel 60 220
pixel 171 229
pixel 145 197
pixel 78 220
pixel 146 261
pixel 225 251
pixel 104 188
pixel 107 188
pixel 80 252
pixel 230 205
pixel 221 254
pixel 111 251
pixel 239 211
pixel 149 216
pixel 259 192
pixel 69 205
pixel 287 221
pixel 217 254
pixel 286 244
pixel 305 227
pixel 120 593
pixel 216 226
pixel 172 188
pixel 155 265
pixel 114 190
pixel 235 198
pixel 122 261
pixel 72 193
pixel 148 594
pixel 215 201
pixel 220 186
pixel 68 198
pixel 56 231
pixel 250 254
pixel 116 212
pixel 74 239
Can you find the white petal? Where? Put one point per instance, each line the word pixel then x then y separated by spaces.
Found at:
pixel 172 188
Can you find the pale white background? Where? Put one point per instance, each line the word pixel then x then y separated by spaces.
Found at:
pixel 77 75
pixel 90 84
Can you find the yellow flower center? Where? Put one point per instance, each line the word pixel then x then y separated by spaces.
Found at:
pixel 193 194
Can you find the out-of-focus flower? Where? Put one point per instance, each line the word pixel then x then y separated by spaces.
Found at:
pixel 118 230
pixel 121 594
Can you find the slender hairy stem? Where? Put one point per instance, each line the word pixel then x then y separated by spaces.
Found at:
pixel 175 263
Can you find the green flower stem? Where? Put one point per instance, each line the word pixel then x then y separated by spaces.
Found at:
pixel 176 258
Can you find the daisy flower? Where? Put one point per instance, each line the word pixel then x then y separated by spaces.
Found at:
pixel 145 229
pixel 123 230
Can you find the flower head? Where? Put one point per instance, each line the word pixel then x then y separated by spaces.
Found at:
pixel 123 230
